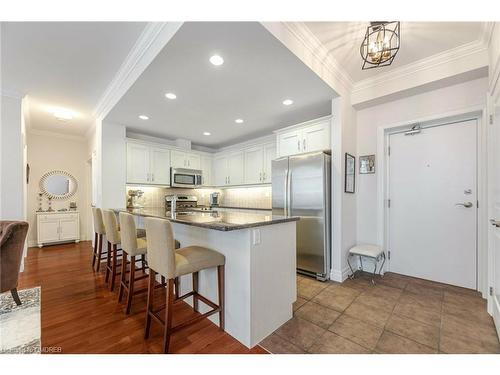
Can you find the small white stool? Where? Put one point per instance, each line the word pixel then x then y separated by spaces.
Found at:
pixel 367 251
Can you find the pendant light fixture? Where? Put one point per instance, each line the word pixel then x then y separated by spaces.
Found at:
pixel 381 44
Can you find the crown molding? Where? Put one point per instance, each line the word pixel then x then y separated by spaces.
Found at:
pixel 299 39
pixel 487 32
pixel 446 57
pixel 151 41
pixel 53 134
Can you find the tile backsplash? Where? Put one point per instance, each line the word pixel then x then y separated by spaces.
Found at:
pixel 244 197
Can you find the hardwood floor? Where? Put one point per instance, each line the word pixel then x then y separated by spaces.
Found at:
pixel 80 315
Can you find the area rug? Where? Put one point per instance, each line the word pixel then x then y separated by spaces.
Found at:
pixel 20 325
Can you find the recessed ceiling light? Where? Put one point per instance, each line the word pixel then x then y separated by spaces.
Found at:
pixel 63 114
pixel 207 133
pixel 288 102
pixel 216 60
pixel 170 95
pixel 239 121
pixel 144 117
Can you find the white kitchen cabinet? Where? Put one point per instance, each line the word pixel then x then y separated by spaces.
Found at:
pixel 236 168
pixel 206 168
pixel 289 142
pixel 181 159
pixel 220 170
pixel 57 227
pixel 269 156
pixel 147 164
pixel 309 137
pixel 160 166
pixel 254 163
pixel 138 163
pixel 229 169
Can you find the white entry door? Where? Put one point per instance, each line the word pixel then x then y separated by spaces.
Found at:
pixel 494 209
pixel 433 204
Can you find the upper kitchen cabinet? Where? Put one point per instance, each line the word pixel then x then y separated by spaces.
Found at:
pixel 258 163
pixel 306 137
pixel 229 169
pixel 147 164
pixel 181 159
pixel 269 156
pixel 206 168
pixel 137 163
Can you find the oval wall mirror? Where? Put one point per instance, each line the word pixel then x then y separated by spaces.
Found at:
pixel 58 184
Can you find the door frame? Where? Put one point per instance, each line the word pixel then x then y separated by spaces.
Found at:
pixel 468 113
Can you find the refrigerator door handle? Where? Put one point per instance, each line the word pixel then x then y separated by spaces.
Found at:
pixel 289 192
pixel 285 195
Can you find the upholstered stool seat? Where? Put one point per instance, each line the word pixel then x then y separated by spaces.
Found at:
pixel 195 258
pixel 373 252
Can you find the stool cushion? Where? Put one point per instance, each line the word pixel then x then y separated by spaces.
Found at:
pixel 196 258
pixel 371 251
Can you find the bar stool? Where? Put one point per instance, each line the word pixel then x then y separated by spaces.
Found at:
pixel 114 239
pixel 164 260
pixel 132 246
pixel 99 231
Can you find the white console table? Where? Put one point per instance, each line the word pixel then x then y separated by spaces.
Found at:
pixel 56 226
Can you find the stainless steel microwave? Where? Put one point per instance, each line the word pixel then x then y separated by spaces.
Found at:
pixel 185 178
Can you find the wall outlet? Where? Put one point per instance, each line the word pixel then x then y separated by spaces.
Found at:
pixel 256 236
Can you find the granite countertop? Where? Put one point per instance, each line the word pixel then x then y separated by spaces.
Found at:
pixel 223 221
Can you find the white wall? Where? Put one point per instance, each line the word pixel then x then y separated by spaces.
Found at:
pixel 12 164
pixel 432 103
pixel 113 165
pixel 51 151
pixel 343 204
pixel 494 52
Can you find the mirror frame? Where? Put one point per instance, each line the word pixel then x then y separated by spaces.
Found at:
pixel 58 196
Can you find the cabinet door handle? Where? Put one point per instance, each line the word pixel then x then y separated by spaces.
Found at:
pixel 264 176
pixel 298 145
pixel 260 176
pixel 152 176
pixel 304 144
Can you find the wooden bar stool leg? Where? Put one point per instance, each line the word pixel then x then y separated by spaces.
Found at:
pixel 94 252
pixel 176 288
pixel 108 261
pixel 99 253
pixel 123 280
pixel 163 282
pixel 130 283
pixel 113 267
pixel 195 290
pixel 149 305
pixel 143 263
pixel 168 314
pixel 220 282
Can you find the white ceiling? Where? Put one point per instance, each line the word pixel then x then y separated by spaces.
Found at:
pixel 257 75
pixel 418 40
pixel 63 64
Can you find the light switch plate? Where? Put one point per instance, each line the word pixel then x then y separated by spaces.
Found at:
pixel 256 236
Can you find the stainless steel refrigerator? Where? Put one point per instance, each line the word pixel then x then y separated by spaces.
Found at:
pixel 301 187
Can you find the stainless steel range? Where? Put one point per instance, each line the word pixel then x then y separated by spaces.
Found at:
pixel 184 203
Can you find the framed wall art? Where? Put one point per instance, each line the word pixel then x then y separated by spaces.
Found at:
pixel 350 173
pixel 367 164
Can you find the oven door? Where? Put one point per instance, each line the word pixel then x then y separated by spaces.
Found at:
pixel 185 178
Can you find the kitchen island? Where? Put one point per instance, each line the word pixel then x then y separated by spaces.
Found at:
pixel 260 272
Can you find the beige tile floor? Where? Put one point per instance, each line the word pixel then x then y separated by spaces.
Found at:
pixel 399 314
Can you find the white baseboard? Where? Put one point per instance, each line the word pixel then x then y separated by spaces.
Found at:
pixel 340 275
pixel 33 243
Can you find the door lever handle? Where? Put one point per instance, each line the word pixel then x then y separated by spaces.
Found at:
pixel 466 204
pixel 495 223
